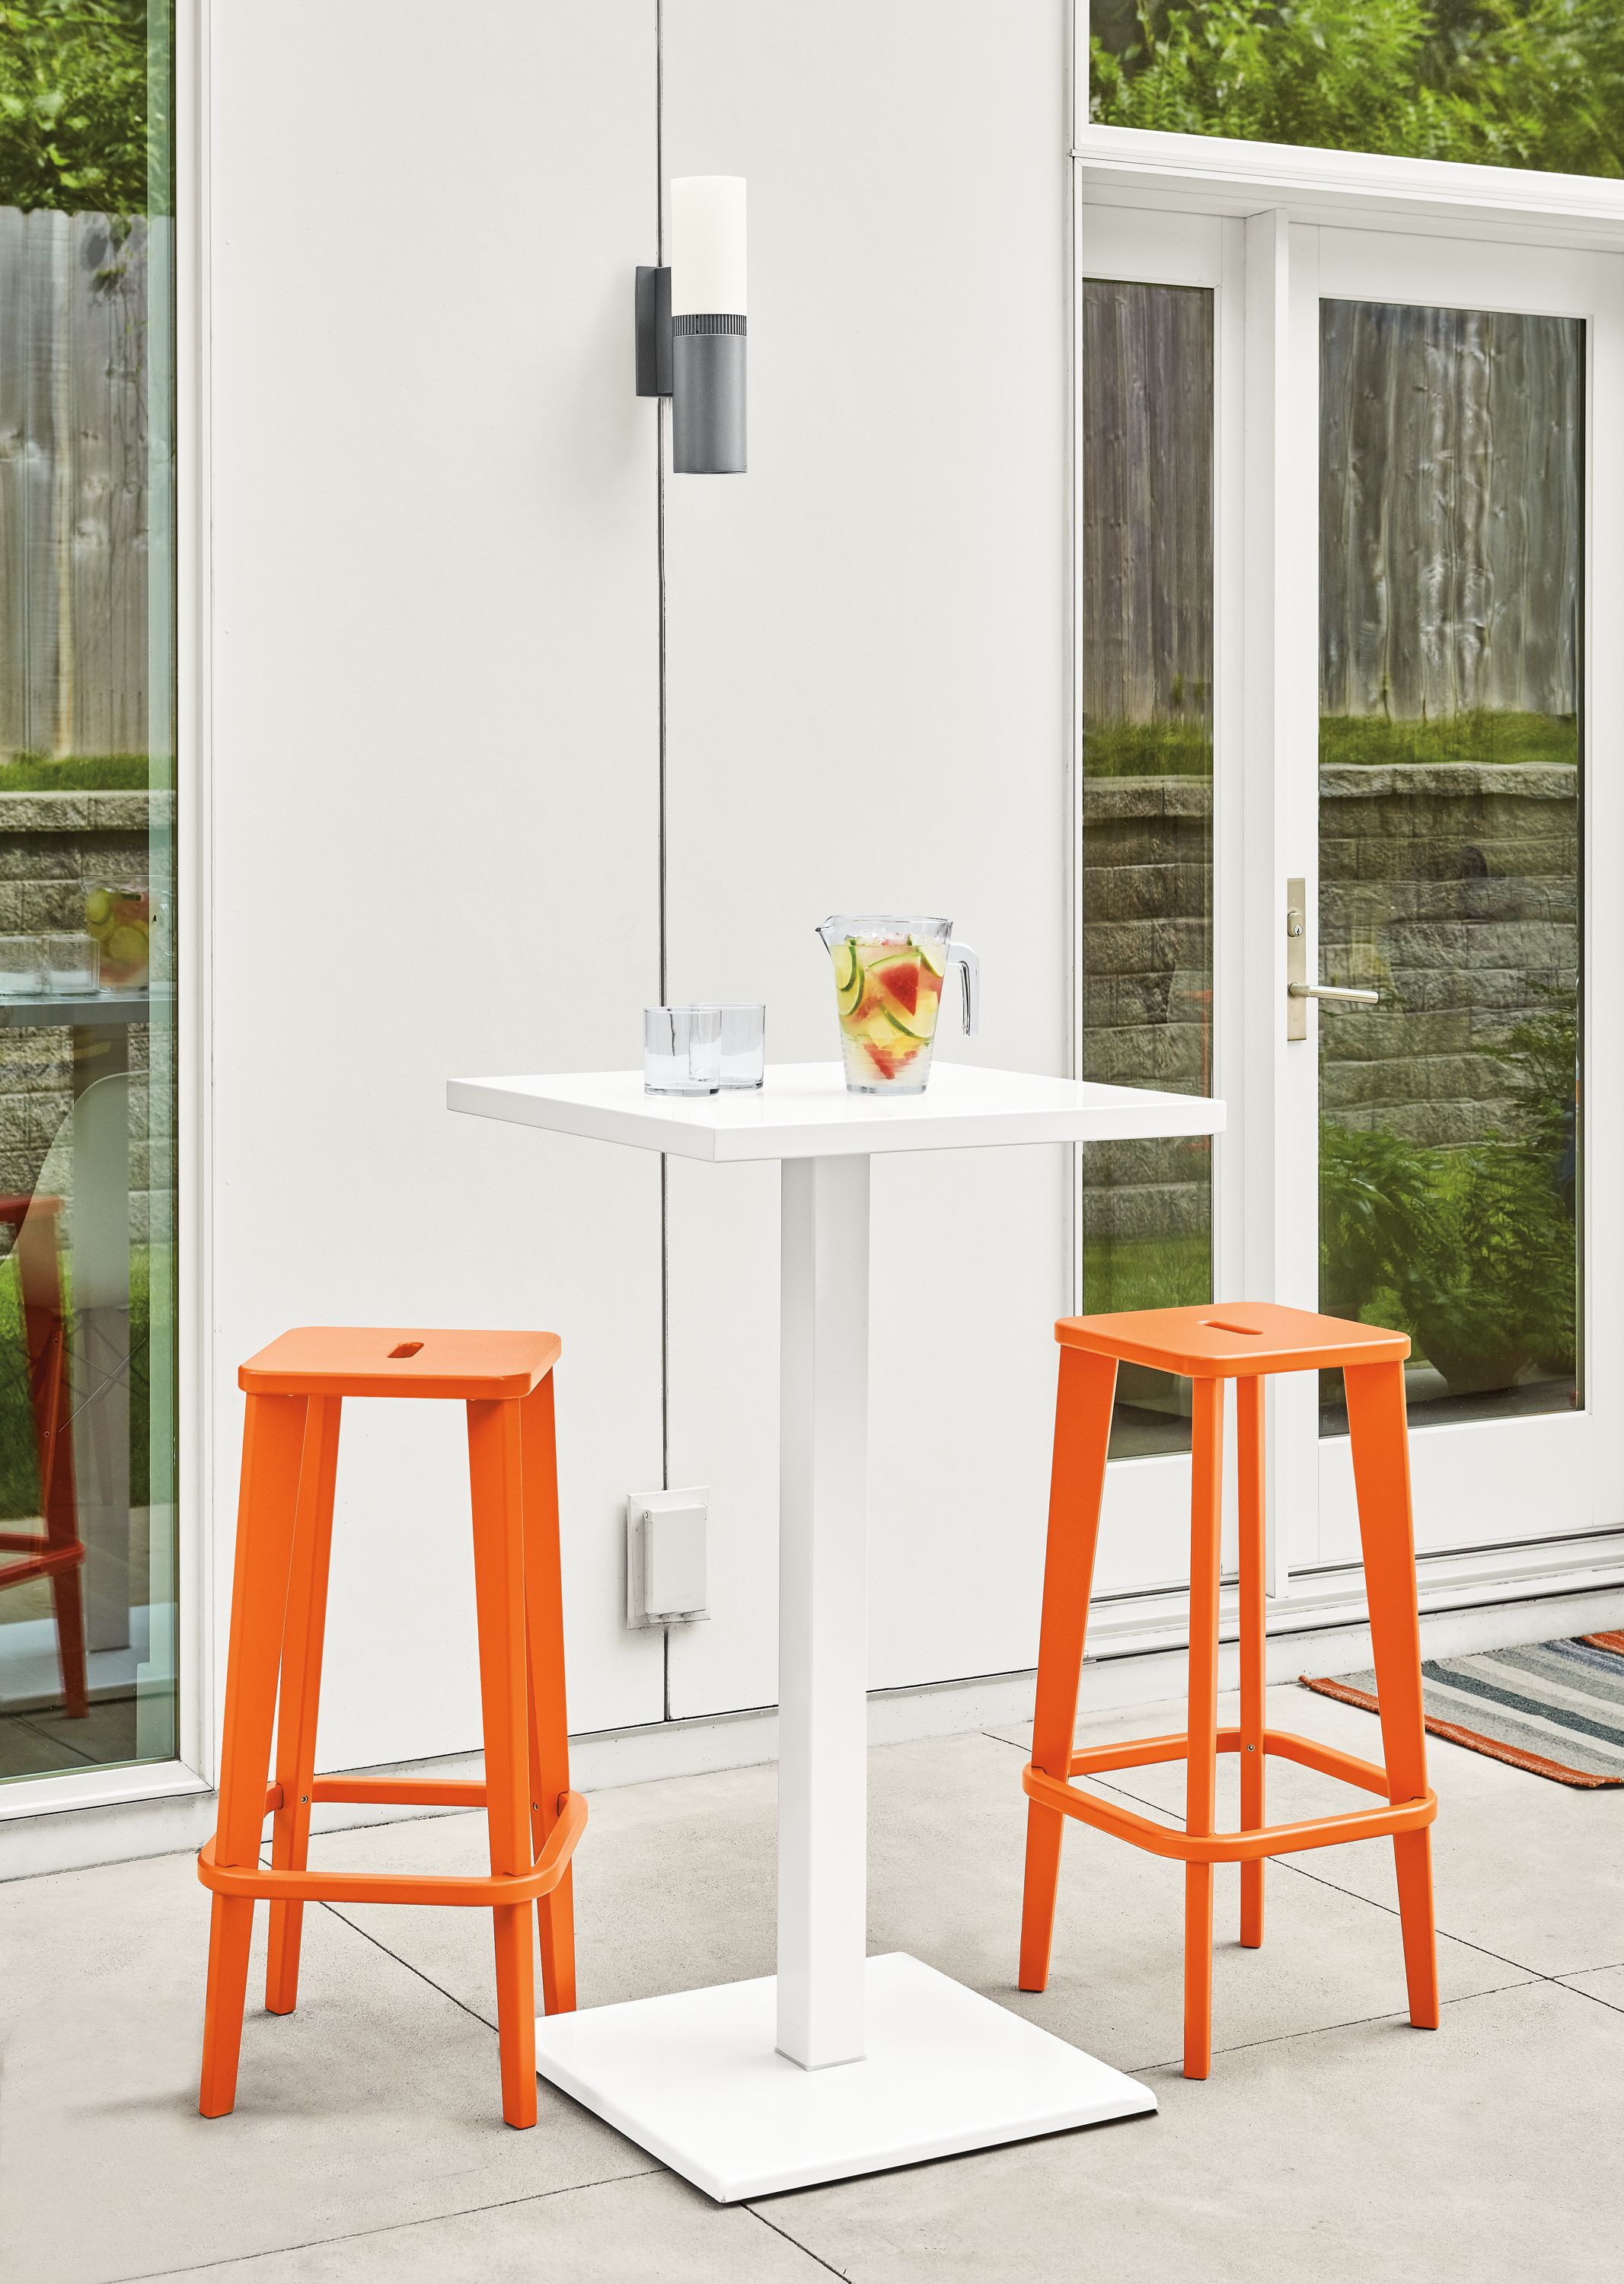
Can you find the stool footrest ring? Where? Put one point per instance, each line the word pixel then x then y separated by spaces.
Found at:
pixel 1395 1817
pixel 479 1891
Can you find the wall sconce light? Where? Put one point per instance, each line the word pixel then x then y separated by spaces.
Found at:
pixel 690 326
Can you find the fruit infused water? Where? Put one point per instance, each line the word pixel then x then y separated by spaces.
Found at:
pixel 120 920
pixel 888 976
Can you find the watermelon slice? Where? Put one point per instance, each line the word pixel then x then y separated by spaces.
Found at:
pixel 884 1063
pixel 901 978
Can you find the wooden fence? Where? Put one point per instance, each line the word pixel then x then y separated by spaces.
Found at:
pixel 1450 510
pixel 79 456
pixel 1450 507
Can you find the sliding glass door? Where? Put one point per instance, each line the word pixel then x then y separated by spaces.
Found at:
pixel 1352 714
pixel 87 899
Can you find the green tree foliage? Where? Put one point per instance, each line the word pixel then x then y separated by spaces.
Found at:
pixel 1536 84
pixel 75 131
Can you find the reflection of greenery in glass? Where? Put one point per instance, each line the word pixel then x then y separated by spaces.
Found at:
pixel 1536 83
pixel 77 773
pixel 1471 1249
pixel 74 105
pixel 1151 1273
pixel 1184 749
pixel 1484 734
pixel 20 1490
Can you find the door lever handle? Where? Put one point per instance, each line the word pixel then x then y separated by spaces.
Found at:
pixel 1298 988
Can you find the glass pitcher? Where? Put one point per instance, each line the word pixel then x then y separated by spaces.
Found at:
pixel 888 973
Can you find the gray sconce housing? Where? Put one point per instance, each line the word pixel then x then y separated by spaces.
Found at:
pixel 691 327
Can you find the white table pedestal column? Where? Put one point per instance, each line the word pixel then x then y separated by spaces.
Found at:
pixel 823 1610
pixel 840 2064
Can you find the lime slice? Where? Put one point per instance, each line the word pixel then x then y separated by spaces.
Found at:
pixel 127 947
pixel 98 908
pixel 927 954
pixel 919 1037
pixel 846 966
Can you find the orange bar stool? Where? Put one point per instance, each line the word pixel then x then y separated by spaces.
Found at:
pixel 59 1552
pixel 295 1389
pixel 1210 1346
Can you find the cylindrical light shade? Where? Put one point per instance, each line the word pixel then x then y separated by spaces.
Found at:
pixel 707 246
pixel 707 325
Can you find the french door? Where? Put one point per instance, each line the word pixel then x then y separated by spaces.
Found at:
pixel 1348 816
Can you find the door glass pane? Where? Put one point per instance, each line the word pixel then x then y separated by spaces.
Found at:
pixel 86 896
pixel 1450 700
pixel 1147 805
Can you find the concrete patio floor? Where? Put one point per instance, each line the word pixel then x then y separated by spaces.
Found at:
pixel 1332 2140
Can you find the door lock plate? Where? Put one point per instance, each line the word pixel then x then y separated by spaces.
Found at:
pixel 1296 959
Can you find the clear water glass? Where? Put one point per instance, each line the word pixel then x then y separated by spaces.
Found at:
pixel 73 965
pixel 22 968
pixel 744 1042
pixel 681 1050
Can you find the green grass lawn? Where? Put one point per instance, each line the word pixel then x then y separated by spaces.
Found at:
pixel 1184 749
pixel 1160 1272
pixel 1480 736
pixel 81 773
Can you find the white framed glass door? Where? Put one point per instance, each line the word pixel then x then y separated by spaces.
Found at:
pixel 1450 423
pixel 1347 559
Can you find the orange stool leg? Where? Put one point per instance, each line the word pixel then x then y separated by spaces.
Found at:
pixel 1082 1433
pixel 67 1606
pixel 1381 1479
pixel 301 1677
pixel 496 1475
pixel 1206 1521
pixel 39 1266
pixel 1249 1399
pixel 273 1438
pixel 545 1666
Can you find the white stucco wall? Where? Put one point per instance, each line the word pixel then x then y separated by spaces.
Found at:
pixel 435 738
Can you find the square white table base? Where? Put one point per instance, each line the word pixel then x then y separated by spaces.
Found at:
pixel 694 2080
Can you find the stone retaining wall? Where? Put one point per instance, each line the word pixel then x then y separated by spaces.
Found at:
pixel 1452 887
pixel 53 846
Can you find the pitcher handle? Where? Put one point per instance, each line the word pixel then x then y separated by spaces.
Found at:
pixel 970 981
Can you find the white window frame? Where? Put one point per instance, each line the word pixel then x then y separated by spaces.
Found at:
pixel 191 1771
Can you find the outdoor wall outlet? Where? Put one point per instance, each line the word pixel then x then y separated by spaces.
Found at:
pixel 666 1557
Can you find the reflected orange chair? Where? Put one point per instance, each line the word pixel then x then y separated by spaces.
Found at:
pixel 59 1554
pixel 1209 1346
pixel 295 1389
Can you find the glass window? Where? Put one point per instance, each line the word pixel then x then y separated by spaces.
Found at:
pixel 1450 815
pixel 1147 806
pixel 1530 84
pixel 87 889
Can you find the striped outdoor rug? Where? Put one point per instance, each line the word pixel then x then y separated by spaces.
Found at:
pixel 1555 1708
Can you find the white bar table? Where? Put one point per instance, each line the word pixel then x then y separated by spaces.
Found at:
pixel 840 2064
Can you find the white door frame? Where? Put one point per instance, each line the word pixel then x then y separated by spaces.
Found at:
pixel 1264 193
pixel 191 1770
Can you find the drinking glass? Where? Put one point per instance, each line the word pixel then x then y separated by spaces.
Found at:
pixel 73 965
pixel 22 968
pixel 681 1050
pixel 744 1042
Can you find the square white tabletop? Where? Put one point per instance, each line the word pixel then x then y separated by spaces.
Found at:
pixel 803 1111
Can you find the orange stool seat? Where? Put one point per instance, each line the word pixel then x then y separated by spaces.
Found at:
pixel 295 1389
pixel 1246 1342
